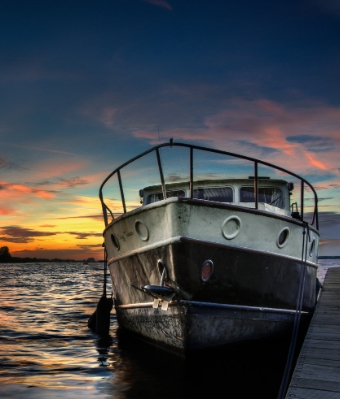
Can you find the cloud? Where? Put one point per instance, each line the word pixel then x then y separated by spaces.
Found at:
pixel 23 189
pixel 84 235
pixel 6 210
pixel 38 148
pixel 73 182
pixel 93 216
pixel 17 234
pixel 264 127
pixel 159 3
pixel 328 218
pixel 5 164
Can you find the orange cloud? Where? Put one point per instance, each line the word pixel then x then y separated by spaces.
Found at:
pixel 10 188
pixel 315 162
pixel 5 210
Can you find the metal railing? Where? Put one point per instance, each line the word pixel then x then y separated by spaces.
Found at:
pixel 191 148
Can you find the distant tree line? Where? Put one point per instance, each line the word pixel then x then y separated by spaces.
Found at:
pixel 5 257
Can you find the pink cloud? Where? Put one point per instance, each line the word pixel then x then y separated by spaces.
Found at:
pixel 18 191
pixel 5 210
pixel 299 137
pixel 53 167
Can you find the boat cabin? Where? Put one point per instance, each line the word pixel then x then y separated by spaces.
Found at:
pixel 273 194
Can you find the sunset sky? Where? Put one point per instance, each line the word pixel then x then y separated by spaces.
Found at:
pixel 86 85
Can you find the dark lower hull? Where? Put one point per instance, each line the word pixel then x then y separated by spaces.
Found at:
pixel 251 295
pixel 186 328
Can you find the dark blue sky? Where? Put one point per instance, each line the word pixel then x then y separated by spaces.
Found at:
pixel 86 84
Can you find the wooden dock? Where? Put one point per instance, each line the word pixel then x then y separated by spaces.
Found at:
pixel 317 371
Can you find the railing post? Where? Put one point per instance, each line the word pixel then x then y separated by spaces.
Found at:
pixel 302 198
pixel 191 173
pixel 106 222
pixel 121 190
pixel 161 173
pixel 316 212
pixel 256 186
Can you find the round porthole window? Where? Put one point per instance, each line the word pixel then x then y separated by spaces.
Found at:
pixel 142 230
pixel 115 241
pixel 283 238
pixel 231 227
pixel 207 270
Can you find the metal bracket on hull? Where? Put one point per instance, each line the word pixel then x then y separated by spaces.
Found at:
pixel 161 294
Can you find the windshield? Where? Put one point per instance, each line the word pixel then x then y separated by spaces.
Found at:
pixel 267 195
pixel 222 194
pixel 169 193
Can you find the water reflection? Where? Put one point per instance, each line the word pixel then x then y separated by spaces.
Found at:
pixel 47 350
pixel 141 371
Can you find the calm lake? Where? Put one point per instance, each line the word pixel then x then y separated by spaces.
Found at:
pixel 47 350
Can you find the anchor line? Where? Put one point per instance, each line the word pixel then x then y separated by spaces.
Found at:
pixel 105 271
pixel 297 318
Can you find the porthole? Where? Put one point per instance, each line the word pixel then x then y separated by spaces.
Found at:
pixel 115 241
pixel 283 237
pixel 207 270
pixel 231 227
pixel 142 230
pixel 312 248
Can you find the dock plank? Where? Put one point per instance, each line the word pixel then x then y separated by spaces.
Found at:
pixel 317 371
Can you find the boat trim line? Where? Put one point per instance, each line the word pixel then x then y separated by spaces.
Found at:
pixel 191 303
pixel 184 239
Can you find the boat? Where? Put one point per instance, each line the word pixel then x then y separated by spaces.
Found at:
pixel 208 248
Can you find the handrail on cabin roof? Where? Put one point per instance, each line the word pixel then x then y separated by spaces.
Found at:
pixel 222 152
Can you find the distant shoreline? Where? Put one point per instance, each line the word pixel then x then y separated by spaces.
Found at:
pixel 18 260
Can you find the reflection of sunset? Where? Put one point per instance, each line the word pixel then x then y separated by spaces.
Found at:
pixel 46 347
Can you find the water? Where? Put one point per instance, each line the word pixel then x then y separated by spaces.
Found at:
pixel 47 350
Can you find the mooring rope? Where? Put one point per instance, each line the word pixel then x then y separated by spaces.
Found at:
pixel 292 348
pixel 105 271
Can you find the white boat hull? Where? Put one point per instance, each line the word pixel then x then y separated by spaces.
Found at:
pixel 251 294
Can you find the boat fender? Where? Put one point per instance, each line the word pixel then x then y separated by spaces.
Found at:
pixel 92 321
pixel 100 319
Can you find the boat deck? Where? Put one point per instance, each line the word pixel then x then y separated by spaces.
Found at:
pixel 317 371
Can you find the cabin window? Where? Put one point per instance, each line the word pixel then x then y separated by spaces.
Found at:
pixel 267 195
pixel 221 194
pixel 152 198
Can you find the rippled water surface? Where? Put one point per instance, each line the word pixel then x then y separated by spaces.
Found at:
pixel 47 350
